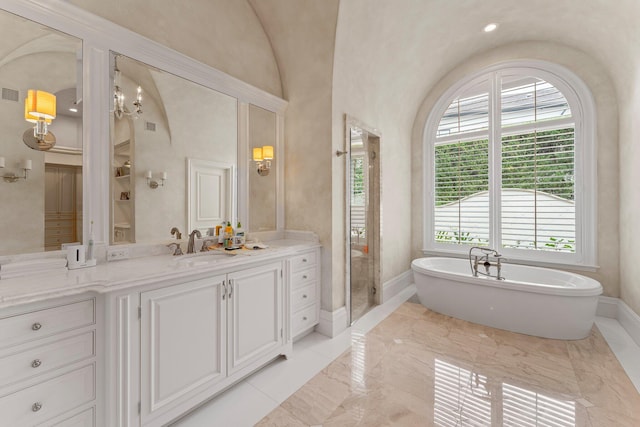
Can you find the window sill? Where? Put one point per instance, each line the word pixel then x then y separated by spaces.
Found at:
pixel 520 261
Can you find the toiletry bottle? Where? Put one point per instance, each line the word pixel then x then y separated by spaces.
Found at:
pixel 90 245
pixel 220 232
pixel 240 238
pixel 228 235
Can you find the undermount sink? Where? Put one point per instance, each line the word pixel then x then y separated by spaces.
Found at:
pixel 201 258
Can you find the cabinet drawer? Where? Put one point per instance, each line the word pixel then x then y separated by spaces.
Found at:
pixel 45 358
pixel 39 324
pixel 49 399
pixel 58 223
pixel 302 297
pixel 83 419
pixel 303 277
pixel 303 261
pixel 58 231
pixel 304 319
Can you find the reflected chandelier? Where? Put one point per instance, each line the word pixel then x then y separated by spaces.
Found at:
pixel 118 95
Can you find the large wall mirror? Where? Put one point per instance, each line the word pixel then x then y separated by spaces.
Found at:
pixel 262 186
pixel 40 191
pixel 163 126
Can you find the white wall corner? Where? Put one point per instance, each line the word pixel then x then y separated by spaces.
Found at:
pixel 607 307
pixel 615 308
pixel 332 323
pixel 629 320
pixel 394 286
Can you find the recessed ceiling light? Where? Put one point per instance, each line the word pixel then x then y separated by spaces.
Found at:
pixel 73 110
pixel 490 27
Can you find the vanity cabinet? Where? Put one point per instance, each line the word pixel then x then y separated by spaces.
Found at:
pixel 48 363
pixel 255 302
pixel 304 279
pixel 198 337
pixel 182 342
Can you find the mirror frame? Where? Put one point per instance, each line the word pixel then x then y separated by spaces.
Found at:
pixel 100 37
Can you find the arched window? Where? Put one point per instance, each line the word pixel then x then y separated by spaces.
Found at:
pixel 510 164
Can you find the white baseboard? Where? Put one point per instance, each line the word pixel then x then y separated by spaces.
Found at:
pixel 615 308
pixel 629 320
pixel 607 307
pixel 333 323
pixel 394 286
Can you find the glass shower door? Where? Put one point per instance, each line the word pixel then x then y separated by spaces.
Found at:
pixel 364 227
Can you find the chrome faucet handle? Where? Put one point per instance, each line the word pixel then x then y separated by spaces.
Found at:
pixel 177 250
pixel 205 244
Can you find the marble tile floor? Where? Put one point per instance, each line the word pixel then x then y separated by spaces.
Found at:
pixel 403 365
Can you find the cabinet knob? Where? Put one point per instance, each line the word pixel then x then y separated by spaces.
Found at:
pixel 304 296
pixel 304 277
pixel 36 326
pixel 36 407
pixel 304 318
pixel 304 260
pixel 36 363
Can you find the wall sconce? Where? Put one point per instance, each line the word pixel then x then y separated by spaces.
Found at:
pixel 39 108
pixel 26 165
pixel 263 156
pixel 153 184
pixel 118 95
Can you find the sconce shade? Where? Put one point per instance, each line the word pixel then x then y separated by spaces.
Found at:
pixel 30 117
pixel 40 104
pixel 267 152
pixel 257 154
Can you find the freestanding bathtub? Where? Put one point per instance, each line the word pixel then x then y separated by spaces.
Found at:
pixel 534 301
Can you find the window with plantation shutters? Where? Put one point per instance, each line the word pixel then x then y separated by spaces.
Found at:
pixel 507 155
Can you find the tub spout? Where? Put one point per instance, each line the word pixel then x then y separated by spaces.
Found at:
pixel 484 260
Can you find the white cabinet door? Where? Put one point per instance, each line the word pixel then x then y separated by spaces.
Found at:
pixel 183 331
pixel 255 314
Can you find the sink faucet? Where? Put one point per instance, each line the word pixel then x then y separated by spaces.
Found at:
pixel 176 232
pixel 190 245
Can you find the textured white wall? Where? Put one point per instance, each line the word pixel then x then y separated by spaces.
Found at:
pixel 630 186
pixel 225 34
pixel 302 33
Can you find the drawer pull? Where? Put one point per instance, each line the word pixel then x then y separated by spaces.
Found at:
pixel 304 277
pixel 36 407
pixel 36 363
pixel 36 326
pixel 304 260
pixel 304 296
pixel 304 318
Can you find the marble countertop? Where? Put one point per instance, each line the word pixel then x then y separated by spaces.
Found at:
pixel 117 275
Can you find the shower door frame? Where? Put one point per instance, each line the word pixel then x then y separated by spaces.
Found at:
pixel 377 252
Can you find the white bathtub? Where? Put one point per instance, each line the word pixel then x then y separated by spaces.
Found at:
pixel 533 301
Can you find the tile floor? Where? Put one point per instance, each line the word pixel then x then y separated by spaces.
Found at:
pixel 403 365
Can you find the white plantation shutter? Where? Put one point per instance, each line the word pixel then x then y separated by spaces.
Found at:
pixel 504 169
pixel 462 171
pixel 542 214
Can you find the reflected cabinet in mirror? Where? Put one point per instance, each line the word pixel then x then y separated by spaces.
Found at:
pixel 174 154
pixel 41 145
